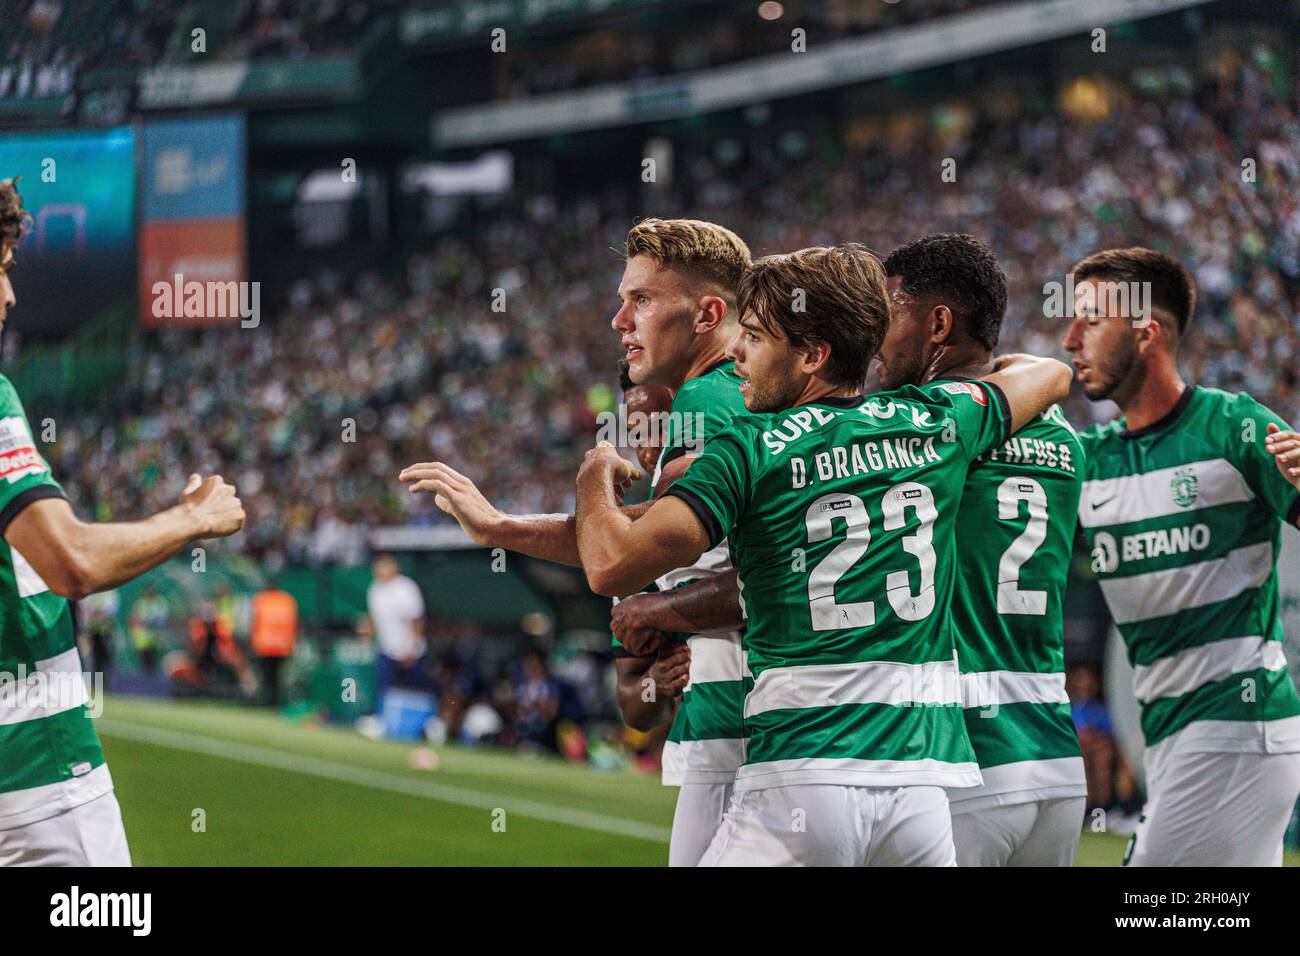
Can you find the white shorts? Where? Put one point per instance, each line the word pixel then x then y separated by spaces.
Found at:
pixel 700 807
pixel 87 835
pixel 1216 809
pixel 1035 833
pixel 831 825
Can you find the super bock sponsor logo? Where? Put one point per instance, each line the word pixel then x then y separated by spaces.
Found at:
pixel 1184 487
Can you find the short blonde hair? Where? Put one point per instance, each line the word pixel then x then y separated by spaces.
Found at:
pixel 703 249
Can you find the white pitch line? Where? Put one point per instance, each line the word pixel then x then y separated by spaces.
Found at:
pixel 379 780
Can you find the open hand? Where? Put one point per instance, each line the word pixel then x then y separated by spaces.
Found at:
pixel 457 496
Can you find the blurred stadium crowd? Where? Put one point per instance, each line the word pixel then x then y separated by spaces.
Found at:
pixel 417 360
pixel 47 42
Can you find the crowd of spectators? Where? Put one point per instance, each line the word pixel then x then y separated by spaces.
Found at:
pixel 315 412
pixel 701 37
pixel 47 41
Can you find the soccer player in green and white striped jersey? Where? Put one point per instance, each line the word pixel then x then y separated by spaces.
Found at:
pixel 1014 541
pixel 1182 506
pixel 57 806
pixel 705 744
pixel 839 512
pixel 1015 530
pixel 676 316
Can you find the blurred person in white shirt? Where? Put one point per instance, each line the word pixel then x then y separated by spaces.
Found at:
pixel 397 616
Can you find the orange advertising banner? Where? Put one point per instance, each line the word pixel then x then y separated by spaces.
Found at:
pixel 192 272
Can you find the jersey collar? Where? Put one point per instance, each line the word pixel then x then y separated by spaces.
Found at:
pixel 841 401
pixel 1168 419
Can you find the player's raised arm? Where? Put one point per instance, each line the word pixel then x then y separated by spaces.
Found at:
pixel 1031 384
pixel 551 537
pixel 76 558
pixel 1284 446
pixel 620 554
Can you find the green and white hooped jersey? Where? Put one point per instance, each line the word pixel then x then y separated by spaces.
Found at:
pixel 837 512
pixel 1015 535
pixel 706 740
pixel 50 758
pixel 1184 522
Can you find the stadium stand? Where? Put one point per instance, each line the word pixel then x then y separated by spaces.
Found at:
pixel 417 358
pixel 48 41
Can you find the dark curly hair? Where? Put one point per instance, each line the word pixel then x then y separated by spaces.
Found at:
pixel 962 273
pixel 14 220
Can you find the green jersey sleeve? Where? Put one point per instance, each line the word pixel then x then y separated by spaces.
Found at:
pixel 979 410
pixel 701 409
pixel 1245 449
pixel 24 475
pixel 719 481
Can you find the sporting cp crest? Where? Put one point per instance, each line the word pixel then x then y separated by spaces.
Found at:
pixel 1184 487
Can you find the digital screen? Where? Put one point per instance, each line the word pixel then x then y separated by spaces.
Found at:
pixel 79 258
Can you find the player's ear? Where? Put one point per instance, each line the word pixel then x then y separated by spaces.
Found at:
pixel 712 313
pixel 1151 334
pixel 941 323
pixel 816 356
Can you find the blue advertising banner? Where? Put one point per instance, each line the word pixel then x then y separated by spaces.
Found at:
pixel 194 168
pixel 193 235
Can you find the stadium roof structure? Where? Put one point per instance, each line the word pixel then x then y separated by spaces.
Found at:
pixel 943 40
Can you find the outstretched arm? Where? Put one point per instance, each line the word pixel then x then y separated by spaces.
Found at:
pixel 77 558
pixel 712 604
pixel 622 555
pixel 551 537
pixel 1031 384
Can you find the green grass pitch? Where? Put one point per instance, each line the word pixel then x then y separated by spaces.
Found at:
pixel 211 785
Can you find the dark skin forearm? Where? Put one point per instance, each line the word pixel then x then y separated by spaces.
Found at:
pixel 638 713
pixel 701 606
pixel 712 604
pixel 648 687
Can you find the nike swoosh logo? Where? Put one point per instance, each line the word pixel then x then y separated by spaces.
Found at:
pixel 1102 504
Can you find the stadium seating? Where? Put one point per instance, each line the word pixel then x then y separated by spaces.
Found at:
pixel 418 359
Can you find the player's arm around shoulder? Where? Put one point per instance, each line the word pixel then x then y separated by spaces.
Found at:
pixel 621 555
pixel 1031 385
